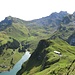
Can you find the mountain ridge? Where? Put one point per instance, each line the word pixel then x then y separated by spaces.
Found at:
pixel 27 34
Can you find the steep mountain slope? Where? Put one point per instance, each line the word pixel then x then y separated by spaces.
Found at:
pixel 51 57
pixel 17 35
pixel 71 39
pixel 14 27
pixel 54 56
pixel 66 28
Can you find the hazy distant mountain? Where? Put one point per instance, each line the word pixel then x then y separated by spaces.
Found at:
pixel 53 18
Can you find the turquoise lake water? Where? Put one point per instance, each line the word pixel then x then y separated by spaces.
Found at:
pixel 18 65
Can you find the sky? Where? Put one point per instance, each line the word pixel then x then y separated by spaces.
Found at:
pixel 34 9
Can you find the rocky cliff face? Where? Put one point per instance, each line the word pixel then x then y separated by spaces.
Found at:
pixel 71 39
pixel 54 18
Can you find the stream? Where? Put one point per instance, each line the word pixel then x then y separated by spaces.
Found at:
pixel 18 65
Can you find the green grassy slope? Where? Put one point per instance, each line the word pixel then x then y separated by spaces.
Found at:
pixel 64 31
pixel 44 61
pixel 26 34
pixel 9 58
pixel 24 31
pixel 11 35
pixel 17 31
pixel 27 37
pixel 9 54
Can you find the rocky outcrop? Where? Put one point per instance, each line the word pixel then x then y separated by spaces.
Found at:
pixel 71 39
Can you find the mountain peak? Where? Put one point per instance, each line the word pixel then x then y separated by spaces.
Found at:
pixel 60 14
pixel 74 14
pixel 6 21
pixel 65 12
pixel 8 18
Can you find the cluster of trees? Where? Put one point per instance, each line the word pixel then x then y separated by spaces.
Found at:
pixel 12 45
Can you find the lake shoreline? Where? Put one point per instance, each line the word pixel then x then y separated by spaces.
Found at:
pixel 17 66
